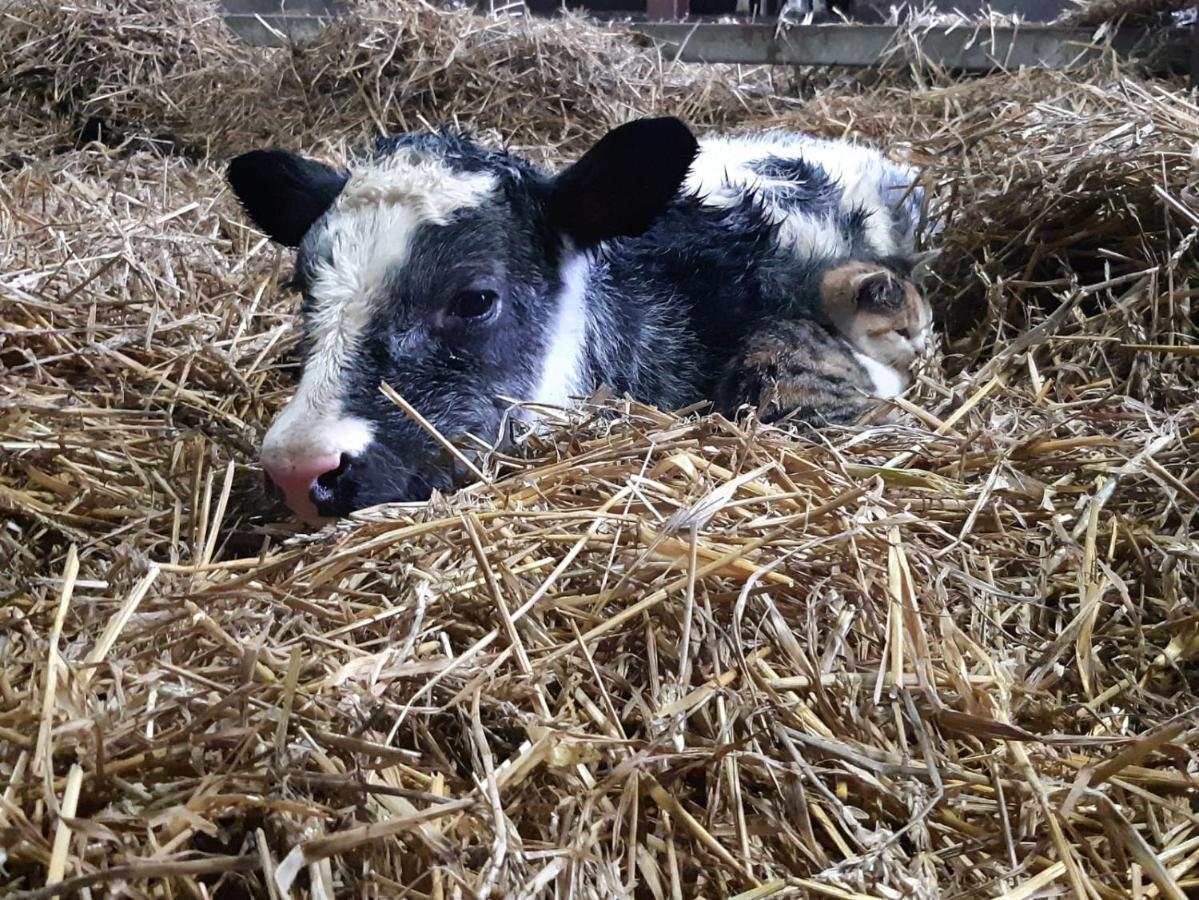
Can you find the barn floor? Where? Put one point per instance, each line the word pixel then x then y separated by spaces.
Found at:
pixel 661 657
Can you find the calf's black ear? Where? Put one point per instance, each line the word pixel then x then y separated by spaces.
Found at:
pixel 624 182
pixel 282 192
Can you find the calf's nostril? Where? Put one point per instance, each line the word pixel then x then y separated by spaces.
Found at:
pixel 296 477
pixel 329 480
pixel 324 488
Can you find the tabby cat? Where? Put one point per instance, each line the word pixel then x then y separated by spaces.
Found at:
pixel 834 369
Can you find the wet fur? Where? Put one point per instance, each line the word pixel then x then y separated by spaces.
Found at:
pixel 610 275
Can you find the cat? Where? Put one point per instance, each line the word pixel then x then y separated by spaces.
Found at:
pixel 834 368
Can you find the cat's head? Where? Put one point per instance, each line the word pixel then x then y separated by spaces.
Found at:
pixel 879 307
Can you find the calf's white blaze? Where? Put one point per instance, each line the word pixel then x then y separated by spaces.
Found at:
pixel 367 233
pixel 562 366
pixel 303 432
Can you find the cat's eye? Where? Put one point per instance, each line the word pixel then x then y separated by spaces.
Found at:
pixel 473 306
pixel 905 333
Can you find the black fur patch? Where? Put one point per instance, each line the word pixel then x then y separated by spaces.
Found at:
pixel 806 185
pixel 622 184
pixel 283 193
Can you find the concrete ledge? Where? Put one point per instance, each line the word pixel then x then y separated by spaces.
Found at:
pixel 957 49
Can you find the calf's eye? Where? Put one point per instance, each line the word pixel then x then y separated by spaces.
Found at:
pixel 474 304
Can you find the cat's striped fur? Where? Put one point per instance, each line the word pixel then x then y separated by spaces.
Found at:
pixel 834 369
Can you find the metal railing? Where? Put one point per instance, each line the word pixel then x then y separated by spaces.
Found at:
pixel 969 49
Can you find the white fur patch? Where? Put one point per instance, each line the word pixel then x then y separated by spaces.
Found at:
pixel 562 366
pixel 814 237
pixel 368 232
pixel 888 381
pixel 722 174
pixel 425 185
pixel 303 432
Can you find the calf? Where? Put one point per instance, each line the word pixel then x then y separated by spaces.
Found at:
pixel 466 279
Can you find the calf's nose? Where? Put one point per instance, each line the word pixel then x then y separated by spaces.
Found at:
pixel 298 478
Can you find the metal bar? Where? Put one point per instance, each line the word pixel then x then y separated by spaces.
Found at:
pixel 275 23
pixel 275 30
pixel 959 49
pixel 282 7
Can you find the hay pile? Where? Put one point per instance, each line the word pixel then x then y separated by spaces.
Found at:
pixel 662 656
pixel 169 75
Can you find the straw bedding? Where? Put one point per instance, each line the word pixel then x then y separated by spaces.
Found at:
pixel 547 87
pixel 654 655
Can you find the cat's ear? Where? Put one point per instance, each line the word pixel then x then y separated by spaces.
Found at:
pixel 922 263
pixel 877 289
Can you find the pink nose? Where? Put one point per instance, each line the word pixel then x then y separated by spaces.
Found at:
pixel 297 478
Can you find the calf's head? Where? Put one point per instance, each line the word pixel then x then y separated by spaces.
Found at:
pixel 451 272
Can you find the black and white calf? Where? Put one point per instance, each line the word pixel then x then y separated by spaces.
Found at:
pixel 464 277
